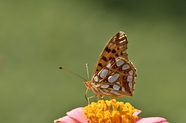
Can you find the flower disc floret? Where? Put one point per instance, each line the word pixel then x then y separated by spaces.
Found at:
pixel 110 111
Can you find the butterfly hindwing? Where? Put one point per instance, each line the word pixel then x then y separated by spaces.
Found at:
pixel 114 75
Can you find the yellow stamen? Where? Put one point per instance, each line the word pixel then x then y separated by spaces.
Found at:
pixel 110 111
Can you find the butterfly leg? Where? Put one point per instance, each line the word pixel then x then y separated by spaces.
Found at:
pixel 86 94
pixel 97 97
pixel 102 97
pixel 88 99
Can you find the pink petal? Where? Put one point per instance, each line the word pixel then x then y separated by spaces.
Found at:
pixel 65 119
pixel 137 113
pixel 73 116
pixel 77 114
pixel 152 120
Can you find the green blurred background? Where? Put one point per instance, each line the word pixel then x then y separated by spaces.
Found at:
pixel 37 36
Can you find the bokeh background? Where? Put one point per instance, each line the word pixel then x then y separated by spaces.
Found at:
pixel 38 36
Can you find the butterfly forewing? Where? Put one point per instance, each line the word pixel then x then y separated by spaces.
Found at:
pixel 117 46
pixel 114 75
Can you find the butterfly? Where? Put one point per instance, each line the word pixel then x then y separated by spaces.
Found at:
pixel 113 75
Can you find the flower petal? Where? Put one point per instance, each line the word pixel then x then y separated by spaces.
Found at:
pixel 65 119
pixel 137 113
pixel 77 114
pixel 73 116
pixel 152 120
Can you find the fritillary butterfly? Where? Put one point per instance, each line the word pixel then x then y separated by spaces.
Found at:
pixel 114 75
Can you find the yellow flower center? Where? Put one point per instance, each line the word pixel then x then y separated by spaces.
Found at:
pixel 110 111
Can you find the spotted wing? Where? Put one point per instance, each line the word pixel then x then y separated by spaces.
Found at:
pixel 116 79
pixel 117 46
pixel 114 75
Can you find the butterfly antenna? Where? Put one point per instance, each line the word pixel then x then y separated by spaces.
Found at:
pixel 87 70
pixel 71 72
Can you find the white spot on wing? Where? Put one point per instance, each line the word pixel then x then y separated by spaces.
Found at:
pixel 116 59
pixel 129 78
pixel 96 79
pixel 131 72
pixel 113 77
pixel 104 86
pixel 125 67
pixel 118 83
pixel 123 89
pixel 121 41
pixel 130 85
pixel 119 63
pixel 103 73
pixel 108 65
pixel 116 87
pixel 114 92
pixel 121 36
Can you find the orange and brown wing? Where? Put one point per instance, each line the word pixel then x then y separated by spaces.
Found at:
pixel 117 46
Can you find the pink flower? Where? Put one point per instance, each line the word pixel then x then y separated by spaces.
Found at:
pixel 149 119
pixel 101 112
pixel 73 116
